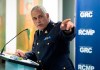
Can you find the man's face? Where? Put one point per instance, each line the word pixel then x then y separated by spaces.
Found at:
pixel 40 19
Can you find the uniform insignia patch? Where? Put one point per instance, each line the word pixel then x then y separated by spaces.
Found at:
pixel 46 38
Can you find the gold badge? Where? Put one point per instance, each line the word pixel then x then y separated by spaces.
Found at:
pixel 46 32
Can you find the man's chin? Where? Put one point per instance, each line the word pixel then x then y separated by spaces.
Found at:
pixel 40 28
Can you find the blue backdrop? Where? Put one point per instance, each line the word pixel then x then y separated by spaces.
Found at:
pixel 87 35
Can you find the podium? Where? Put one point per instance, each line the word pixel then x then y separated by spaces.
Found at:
pixel 16 63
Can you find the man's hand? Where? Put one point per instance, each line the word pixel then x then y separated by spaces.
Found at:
pixel 66 25
pixel 20 53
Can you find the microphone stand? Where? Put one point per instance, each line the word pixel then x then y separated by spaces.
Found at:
pixel 11 40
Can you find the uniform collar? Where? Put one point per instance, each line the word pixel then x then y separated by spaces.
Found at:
pixel 48 28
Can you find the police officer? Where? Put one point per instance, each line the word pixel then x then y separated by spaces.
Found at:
pixel 51 42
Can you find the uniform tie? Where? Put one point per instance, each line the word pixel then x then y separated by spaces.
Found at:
pixel 40 32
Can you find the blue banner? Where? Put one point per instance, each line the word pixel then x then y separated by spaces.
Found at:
pixel 87 35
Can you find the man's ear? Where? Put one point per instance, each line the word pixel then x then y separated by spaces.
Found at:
pixel 47 14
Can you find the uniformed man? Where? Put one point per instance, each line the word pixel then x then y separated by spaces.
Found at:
pixel 51 42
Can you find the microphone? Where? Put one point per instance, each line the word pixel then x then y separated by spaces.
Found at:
pixel 28 32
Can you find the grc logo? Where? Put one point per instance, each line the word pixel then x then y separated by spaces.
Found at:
pixel 84 49
pixel 86 32
pixel 86 14
pixel 85 67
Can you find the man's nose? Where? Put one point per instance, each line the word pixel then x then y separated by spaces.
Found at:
pixel 38 20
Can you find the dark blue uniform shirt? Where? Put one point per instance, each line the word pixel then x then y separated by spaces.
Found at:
pixel 51 48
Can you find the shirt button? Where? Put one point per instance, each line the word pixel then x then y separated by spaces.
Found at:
pixel 37 43
pixel 38 52
pixel 64 68
pixel 48 43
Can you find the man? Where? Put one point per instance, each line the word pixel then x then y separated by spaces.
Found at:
pixel 51 47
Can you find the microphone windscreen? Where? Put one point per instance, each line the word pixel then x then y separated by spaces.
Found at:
pixel 28 33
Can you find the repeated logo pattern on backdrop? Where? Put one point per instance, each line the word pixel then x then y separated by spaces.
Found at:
pixel 88 35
